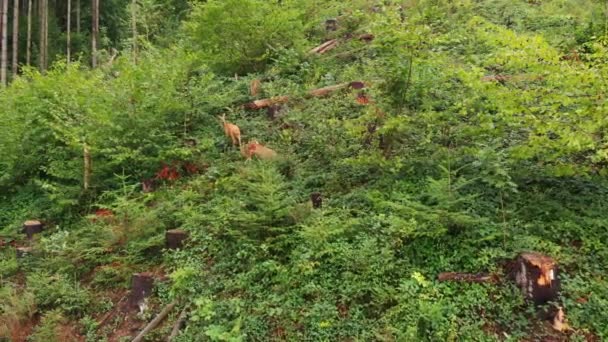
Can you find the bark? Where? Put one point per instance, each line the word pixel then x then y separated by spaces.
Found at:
pixel 87 167
pixel 41 6
pixel 4 52
pixel 69 28
pixel 154 322
pixel 175 238
pixel 95 32
pixel 15 36
pixel 28 53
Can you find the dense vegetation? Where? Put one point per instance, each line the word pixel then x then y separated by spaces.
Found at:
pixel 482 133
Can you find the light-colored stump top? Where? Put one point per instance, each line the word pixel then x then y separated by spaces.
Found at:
pixel 32 223
pixel 546 265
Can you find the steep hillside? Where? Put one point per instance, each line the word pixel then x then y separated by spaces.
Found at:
pixel 458 135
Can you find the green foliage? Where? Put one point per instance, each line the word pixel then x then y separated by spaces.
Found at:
pixel 241 36
pixel 484 136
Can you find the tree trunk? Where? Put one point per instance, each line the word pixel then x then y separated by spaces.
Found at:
pixel 95 32
pixel 15 36
pixel 78 17
pixel 134 28
pixel 46 34
pixel 4 62
pixel 69 28
pixel 87 167
pixel 28 53
pixel 41 6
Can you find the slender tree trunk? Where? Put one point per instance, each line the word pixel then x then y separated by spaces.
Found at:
pixel 95 32
pixel 69 28
pixel 46 34
pixel 87 166
pixel 78 17
pixel 28 53
pixel 41 35
pixel 4 62
pixel 134 27
pixel 15 36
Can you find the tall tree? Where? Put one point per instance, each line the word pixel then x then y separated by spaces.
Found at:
pixel 41 45
pixel 95 32
pixel 15 36
pixel 4 54
pixel 28 52
pixel 134 28
pixel 78 17
pixel 69 27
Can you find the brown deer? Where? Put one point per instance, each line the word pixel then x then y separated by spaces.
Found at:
pixel 231 130
pixel 259 150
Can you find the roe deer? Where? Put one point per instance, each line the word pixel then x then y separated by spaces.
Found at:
pixel 257 149
pixel 231 130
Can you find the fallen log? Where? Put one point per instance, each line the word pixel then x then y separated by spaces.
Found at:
pixel 327 90
pixel 323 48
pixel 265 103
pixel 154 322
pixel 178 324
pixel 467 277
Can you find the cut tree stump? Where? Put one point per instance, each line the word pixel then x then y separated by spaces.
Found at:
pixel 22 252
pixel 175 238
pixel 537 277
pixel 317 200
pixel 32 227
pixel 467 277
pixel 331 24
pixel 141 288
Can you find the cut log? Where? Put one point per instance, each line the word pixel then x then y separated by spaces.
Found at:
pixel 265 103
pixel 317 200
pixel 175 238
pixel 141 288
pixel 22 252
pixel 537 277
pixel 178 324
pixel 159 318
pixel 467 277
pixel 32 227
pixel 327 90
pixel 326 46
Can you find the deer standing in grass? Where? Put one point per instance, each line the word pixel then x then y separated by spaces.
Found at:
pixel 257 149
pixel 231 130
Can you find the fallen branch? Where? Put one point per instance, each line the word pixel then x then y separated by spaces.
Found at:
pixel 178 324
pixel 154 322
pixel 467 277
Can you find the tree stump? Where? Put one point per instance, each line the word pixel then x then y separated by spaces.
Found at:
pixel 141 288
pixel 317 200
pixel 175 238
pixel 331 24
pixel 537 277
pixel 22 252
pixel 32 227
